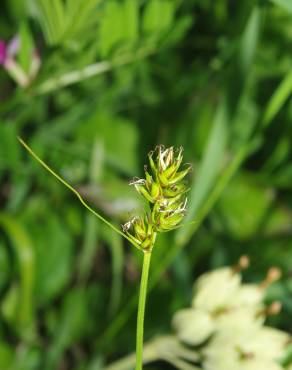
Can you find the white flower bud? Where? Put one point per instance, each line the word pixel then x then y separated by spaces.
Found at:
pixel 269 343
pixel 193 326
pixel 250 295
pixel 239 320
pixel 244 347
pixel 226 360
pixel 216 290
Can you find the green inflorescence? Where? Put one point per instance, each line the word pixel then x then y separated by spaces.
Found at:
pixel 164 190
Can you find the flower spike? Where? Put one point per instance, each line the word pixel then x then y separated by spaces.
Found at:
pixel 163 189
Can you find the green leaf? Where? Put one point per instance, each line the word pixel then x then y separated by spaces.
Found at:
pixel 208 169
pixel 80 16
pixel 91 228
pixel 9 148
pixel 278 99
pixel 52 19
pixel 250 38
pixel 285 4
pixel 26 47
pixel 6 357
pixel 119 23
pixel 25 254
pixel 278 221
pixel 109 129
pixel 54 252
pixel 243 206
pixel 4 265
pixel 111 27
pixel 279 154
pixel 158 15
pixel 115 243
pixel 73 323
pixel 130 19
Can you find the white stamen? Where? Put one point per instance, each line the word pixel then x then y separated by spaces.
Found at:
pixel 181 208
pixel 128 224
pixel 137 181
pixel 169 156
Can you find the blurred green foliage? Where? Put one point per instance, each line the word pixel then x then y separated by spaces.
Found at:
pixel 117 78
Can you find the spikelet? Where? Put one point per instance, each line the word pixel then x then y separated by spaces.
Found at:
pixel 164 190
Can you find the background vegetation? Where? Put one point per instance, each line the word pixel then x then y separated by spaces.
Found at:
pixel 117 78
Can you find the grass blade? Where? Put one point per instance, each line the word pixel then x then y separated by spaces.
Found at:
pixel 208 169
pixel 278 99
pixel 78 195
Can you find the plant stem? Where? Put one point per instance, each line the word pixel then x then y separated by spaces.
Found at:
pixel 141 310
pixel 91 70
pixel 150 354
pixel 167 348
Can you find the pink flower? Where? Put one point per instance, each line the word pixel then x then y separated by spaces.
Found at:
pixel 8 54
pixel 13 46
pixel 3 52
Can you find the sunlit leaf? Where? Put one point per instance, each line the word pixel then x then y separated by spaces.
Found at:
pixel 285 4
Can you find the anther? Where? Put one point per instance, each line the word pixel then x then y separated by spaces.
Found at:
pixel 273 274
pixel 242 264
pixel 137 181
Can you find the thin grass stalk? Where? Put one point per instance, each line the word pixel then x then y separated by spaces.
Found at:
pixel 141 310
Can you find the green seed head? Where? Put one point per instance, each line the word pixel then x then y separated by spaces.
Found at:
pixel 166 164
pixel 140 231
pixel 164 189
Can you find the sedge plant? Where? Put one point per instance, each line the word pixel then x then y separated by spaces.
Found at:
pixel 163 190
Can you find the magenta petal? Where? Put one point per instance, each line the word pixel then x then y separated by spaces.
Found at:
pixel 3 52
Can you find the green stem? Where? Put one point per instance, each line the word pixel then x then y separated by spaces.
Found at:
pixel 141 310
pixel 150 354
pixel 91 70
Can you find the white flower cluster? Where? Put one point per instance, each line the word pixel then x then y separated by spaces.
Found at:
pixel 227 322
